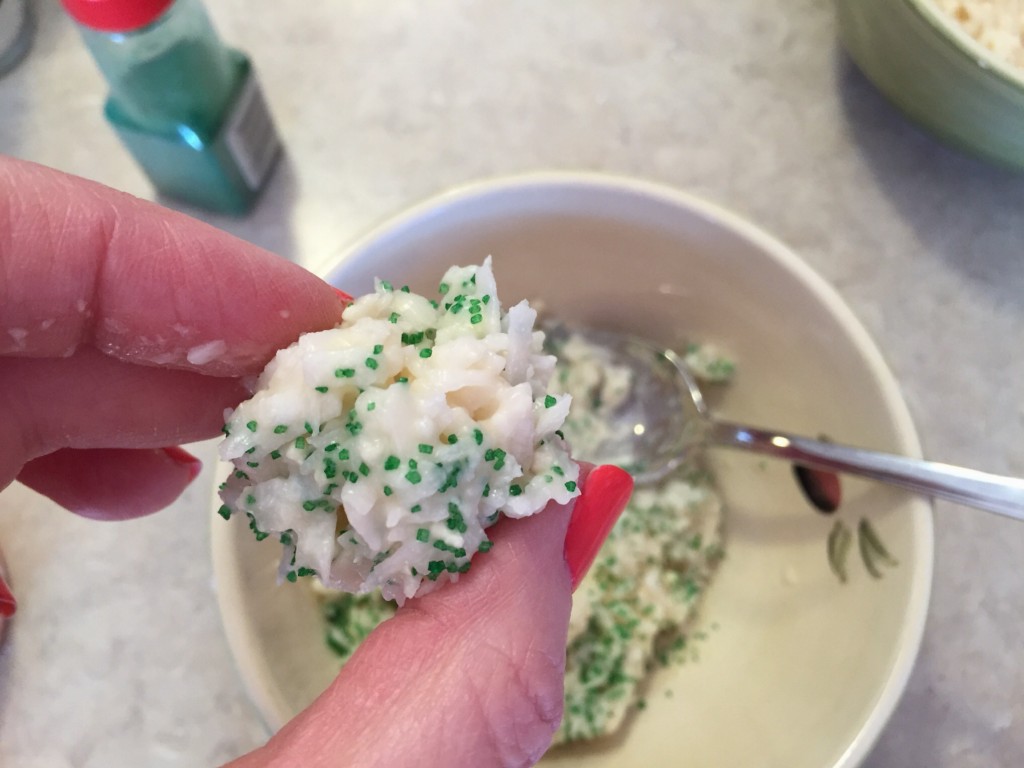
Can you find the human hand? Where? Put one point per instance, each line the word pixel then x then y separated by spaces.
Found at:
pixel 125 330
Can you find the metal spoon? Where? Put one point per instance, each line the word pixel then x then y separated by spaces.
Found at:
pixel 670 418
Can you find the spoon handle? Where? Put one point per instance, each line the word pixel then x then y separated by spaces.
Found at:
pixel 993 493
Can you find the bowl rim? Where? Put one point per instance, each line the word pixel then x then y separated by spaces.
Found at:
pixel 978 54
pixel 892 687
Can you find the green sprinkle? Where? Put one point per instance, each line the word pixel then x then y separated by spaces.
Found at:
pixel 425 353
pixel 378 348
pixel 550 400
pixel 413 464
pixel 304 571
pixel 416 508
pixel 241 475
pixel 385 285
pixel 280 429
pixel 330 469
pixel 443 288
pixel 413 476
pixel 404 289
pixel 275 455
pixel 440 545
pixel 330 447
pixel 402 380
pixel 363 469
pixel 309 506
pixel 486 299
pixel 252 464
pixel 292 576
pixel 387 490
pixel 393 317
pixel 392 462
pixel 424 448
pixel 478 436
pixel 558 470
pixel 370 407
pixel 343 454
pixel 515 490
pixel 485 546
pixel 560 433
pixel 250 499
pixel 422 535
pixel 345 373
pixel 321 390
pixel 251 426
pixel 570 485
pixel 452 439
pixel 487 491
pixel 474 319
pixel 286 539
pixel 224 511
pixel 251 450
pixel 300 443
pixel 371 363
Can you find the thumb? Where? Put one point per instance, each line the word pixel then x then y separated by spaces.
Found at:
pixel 469 675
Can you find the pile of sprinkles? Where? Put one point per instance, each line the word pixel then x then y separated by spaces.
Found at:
pixel 379 452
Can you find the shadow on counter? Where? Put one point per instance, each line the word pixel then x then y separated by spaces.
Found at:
pixel 940 190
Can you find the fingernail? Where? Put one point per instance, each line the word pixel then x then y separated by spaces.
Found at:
pixel 8 605
pixel 606 492
pixel 184 458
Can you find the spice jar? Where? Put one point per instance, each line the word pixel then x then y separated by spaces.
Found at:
pixel 188 108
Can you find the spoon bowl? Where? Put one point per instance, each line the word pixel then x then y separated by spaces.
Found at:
pixel 668 417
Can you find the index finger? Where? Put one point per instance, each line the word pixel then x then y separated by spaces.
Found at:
pixel 82 264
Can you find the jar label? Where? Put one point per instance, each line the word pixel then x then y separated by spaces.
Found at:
pixel 251 136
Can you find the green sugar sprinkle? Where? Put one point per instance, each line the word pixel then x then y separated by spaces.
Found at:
pixel 413 476
pixel 344 373
pixel 416 508
pixel 549 401
pixel 309 427
pixel 224 511
pixel 343 454
pixel 304 571
pixel 485 546
pixel 292 576
pixel 425 353
pixel 387 490
pixel 371 363
pixel 251 450
pixel 386 286
pixel 300 443
pixel 424 448
pixel 422 534
pixel 280 429
pixel 402 380
pixel 404 289
pixel 370 406
pixel 378 348
pixel 251 426
pixel 252 464
pixel 443 288
pixel 363 469
pixel 241 475
pixel 330 468
pixel 452 439
pixel 392 462
pixel 478 436
pixel 474 319
pixel 321 390
pixel 570 485
pixel 393 317
pixel 515 490
pixel 487 490
pixel 330 447
pixel 440 545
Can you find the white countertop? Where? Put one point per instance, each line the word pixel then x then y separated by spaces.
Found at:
pixel 116 656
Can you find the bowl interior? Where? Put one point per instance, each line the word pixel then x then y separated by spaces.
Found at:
pixel 794 669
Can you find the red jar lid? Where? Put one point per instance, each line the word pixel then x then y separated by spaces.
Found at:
pixel 115 15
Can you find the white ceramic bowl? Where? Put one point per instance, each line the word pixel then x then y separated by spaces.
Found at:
pixel 796 670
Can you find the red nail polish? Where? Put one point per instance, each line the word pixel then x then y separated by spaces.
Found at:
pixel 345 298
pixel 606 492
pixel 8 604
pixel 183 457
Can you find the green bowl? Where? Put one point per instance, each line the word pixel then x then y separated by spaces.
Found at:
pixel 931 69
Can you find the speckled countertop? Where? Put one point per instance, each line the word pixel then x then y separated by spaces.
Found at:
pixel 117 657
